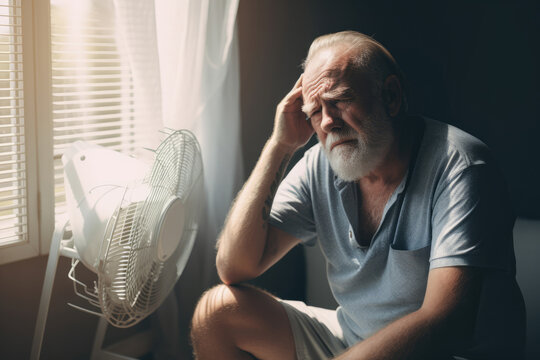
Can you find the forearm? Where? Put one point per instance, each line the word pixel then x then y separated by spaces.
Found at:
pixel 242 243
pixel 411 337
pixel 444 322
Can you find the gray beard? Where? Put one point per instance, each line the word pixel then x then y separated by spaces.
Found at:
pixel 351 161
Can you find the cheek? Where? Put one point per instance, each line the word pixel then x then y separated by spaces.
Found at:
pixel 352 120
pixel 356 118
pixel 321 135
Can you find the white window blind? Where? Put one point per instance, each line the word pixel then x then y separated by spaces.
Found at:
pixel 92 89
pixel 13 192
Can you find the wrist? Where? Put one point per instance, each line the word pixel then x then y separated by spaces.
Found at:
pixel 282 146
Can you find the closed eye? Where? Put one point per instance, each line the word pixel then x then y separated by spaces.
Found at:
pixel 339 102
pixel 314 117
pixel 314 113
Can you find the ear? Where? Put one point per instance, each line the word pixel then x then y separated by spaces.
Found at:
pixel 392 95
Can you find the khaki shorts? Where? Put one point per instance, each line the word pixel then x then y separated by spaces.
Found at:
pixel 316 331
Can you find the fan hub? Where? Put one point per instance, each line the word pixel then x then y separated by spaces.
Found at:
pixel 171 226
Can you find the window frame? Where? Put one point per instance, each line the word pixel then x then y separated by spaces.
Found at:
pixel 44 126
pixel 31 28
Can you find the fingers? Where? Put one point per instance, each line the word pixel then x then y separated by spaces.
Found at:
pixel 298 82
pixel 296 91
pixel 290 125
pixel 297 87
pixel 293 102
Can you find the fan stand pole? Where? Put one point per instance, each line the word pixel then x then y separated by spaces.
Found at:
pixel 98 339
pixel 54 254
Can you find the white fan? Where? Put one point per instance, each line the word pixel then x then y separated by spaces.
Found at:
pixel 133 225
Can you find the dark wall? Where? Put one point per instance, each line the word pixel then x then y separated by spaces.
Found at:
pixel 473 64
pixel 69 333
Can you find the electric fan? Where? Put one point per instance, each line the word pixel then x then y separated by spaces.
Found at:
pixel 133 225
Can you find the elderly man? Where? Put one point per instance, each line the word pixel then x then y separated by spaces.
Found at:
pixel 411 214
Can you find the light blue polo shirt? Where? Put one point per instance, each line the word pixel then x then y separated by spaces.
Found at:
pixel 451 209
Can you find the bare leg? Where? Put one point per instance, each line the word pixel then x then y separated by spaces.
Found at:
pixel 241 322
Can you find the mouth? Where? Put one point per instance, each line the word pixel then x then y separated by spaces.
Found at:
pixel 342 142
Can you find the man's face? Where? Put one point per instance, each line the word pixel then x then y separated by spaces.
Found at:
pixel 351 122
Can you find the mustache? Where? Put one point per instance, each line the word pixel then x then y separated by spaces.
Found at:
pixel 344 133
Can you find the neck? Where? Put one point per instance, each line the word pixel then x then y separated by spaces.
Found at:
pixel 394 165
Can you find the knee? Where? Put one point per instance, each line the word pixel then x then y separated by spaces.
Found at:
pixel 215 303
pixel 224 307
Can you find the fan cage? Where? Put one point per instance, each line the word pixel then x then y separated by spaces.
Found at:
pixel 132 281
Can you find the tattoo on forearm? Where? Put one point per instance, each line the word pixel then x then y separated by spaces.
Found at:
pixel 273 188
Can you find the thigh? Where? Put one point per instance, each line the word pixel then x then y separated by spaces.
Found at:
pixel 251 318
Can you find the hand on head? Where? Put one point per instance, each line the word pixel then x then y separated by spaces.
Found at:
pixel 290 127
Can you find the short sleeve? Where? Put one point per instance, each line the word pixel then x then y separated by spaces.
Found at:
pixel 472 221
pixel 292 209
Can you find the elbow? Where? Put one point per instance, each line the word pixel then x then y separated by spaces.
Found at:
pixel 226 280
pixel 231 278
pixel 230 274
pixel 227 273
pixel 223 274
pixel 229 281
pixel 223 266
pixel 226 277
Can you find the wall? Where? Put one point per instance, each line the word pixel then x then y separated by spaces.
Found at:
pixel 69 333
pixel 20 285
pixel 527 247
pixel 471 63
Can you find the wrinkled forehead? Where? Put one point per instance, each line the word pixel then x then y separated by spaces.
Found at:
pixel 323 82
pixel 324 72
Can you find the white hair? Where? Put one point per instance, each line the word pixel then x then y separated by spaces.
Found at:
pixel 368 56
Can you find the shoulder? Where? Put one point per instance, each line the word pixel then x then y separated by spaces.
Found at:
pixel 314 155
pixel 312 174
pixel 314 163
pixel 449 158
pixel 450 149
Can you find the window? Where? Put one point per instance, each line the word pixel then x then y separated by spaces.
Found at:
pixel 92 90
pixel 67 53
pixel 18 193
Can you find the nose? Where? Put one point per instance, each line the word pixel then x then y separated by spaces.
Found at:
pixel 330 119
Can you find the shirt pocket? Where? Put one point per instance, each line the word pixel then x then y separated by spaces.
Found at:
pixel 408 272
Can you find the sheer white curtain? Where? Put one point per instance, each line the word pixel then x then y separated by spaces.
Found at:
pixel 184 59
